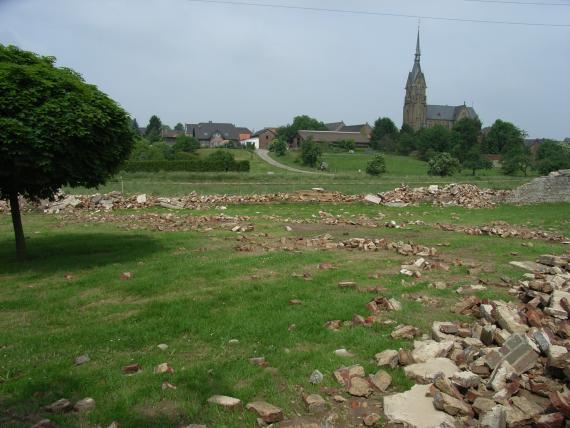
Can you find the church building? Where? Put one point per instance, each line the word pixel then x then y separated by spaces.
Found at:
pixel 418 113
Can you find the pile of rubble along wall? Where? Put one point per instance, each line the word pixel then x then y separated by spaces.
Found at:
pixel 555 187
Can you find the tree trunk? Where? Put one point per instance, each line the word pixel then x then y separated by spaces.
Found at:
pixel 21 252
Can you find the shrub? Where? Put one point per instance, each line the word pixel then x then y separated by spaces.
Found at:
pixel 310 152
pixel 443 164
pixel 376 166
pixel 345 145
pixel 185 143
pixel 278 146
pixel 552 156
pixel 223 160
pixel 242 166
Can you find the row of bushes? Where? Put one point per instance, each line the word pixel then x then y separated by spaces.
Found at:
pixel 194 165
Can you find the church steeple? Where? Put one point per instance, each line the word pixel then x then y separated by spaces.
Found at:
pixel 418 52
pixel 415 105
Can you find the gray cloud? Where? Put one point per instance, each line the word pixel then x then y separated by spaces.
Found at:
pixel 256 67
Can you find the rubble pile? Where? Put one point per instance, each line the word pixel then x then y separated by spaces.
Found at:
pixel 509 368
pixel 326 242
pixel 504 230
pixel 115 200
pixel 415 268
pixel 466 195
pixel 165 222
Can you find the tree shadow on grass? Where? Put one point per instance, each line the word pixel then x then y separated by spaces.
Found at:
pixel 72 251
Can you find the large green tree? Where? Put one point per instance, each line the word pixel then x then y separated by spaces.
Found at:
pixel 179 127
pixel 384 134
pixel 502 138
pixel 517 159
pixel 474 160
pixel 55 130
pixel 433 140
pixel 303 122
pixel 465 136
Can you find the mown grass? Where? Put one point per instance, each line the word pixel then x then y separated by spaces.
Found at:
pixel 194 292
pixel 347 176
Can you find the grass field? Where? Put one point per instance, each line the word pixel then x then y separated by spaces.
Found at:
pixel 194 292
pixel 264 178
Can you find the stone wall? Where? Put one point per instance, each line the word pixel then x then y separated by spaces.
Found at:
pixel 552 188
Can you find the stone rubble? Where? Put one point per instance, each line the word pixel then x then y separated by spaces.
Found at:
pixel 467 195
pixel 503 230
pixel 224 401
pixel 509 368
pixel 268 412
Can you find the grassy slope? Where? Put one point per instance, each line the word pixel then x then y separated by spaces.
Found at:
pixel 192 291
pixel 264 178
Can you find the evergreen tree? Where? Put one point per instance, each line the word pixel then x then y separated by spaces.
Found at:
pixel 153 129
pixel 384 134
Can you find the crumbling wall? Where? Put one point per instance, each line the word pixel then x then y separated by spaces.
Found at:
pixel 552 188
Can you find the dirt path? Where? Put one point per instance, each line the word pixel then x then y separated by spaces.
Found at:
pixel 264 154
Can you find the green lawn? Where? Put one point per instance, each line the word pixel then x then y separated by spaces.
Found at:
pixel 194 292
pixel 264 178
pixel 355 163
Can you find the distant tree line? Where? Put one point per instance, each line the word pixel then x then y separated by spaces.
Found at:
pixel 464 146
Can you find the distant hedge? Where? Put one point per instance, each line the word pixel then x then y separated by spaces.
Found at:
pixel 194 165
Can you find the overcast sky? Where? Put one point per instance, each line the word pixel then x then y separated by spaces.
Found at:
pixel 190 61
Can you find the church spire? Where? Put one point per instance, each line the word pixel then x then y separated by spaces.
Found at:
pixel 418 52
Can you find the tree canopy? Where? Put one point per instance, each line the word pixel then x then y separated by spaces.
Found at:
pixel 55 130
pixel 153 129
pixel 517 159
pixel 502 137
pixel 303 122
pixel 552 156
pixel 474 160
pixel 384 134
pixel 465 136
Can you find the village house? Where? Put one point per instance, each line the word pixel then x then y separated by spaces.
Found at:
pixel 169 136
pixel 263 138
pixel 212 134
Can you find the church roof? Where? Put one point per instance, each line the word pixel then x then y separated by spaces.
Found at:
pixel 437 112
pixel 417 69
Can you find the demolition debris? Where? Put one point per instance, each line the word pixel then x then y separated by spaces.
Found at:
pixel 509 368
pixel 466 195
